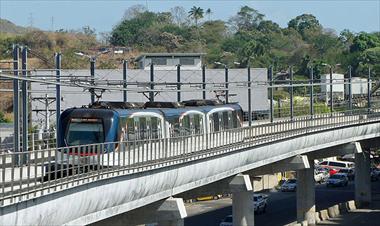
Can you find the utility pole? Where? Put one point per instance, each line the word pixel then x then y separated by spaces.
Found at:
pixel 151 93
pixel 291 93
pixel 92 73
pixel 249 97
pixel 16 95
pixel 204 82
pixel 58 91
pixel 25 102
pixel 270 75
pixel 226 81
pixel 125 68
pixel 179 83
pixel 311 81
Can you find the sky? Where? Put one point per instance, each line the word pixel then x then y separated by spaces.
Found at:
pixel 103 15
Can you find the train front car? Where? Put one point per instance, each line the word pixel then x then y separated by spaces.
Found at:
pixel 85 136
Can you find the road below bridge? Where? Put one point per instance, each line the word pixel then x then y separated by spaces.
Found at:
pixel 281 208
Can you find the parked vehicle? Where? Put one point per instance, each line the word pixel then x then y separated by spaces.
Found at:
pixel 260 203
pixel 289 185
pixel 336 164
pixel 349 172
pixel 338 179
pixel 211 197
pixel 227 221
pixel 333 171
pixel 320 175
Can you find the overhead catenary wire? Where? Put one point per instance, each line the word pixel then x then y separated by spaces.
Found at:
pixel 168 86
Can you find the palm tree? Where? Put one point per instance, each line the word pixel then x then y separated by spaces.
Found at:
pixel 209 12
pixel 196 13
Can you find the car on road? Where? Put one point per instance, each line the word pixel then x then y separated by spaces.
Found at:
pixel 289 185
pixel 338 179
pixel 260 203
pixel 321 175
pixel 336 164
pixel 349 172
pixel 227 221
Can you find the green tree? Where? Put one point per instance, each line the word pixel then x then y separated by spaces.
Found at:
pixel 304 23
pixel 246 19
pixel 196 13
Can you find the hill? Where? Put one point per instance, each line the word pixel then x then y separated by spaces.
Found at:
pixel 7 26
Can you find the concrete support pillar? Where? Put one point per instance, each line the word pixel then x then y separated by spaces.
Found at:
pixel 242 201
pixel 362 179
pixel 306 194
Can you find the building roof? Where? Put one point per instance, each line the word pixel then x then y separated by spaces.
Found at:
pixel 168 55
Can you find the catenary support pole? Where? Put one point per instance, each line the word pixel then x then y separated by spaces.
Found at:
pixel 249 97
pixel 226 81
pixel 125 68
pixel 25 102
pixel 179 83
pixel 331 91
pixel 58 91
pixel 204 82
pixel 270 77
pixel 369 90
pixel 16 95
pixel 350 88
pixel 151 93
pixel 291 91
pixel 92 73
pixel 311 92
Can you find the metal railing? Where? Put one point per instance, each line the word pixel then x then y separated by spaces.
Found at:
pixel 36 141
pixel 51 170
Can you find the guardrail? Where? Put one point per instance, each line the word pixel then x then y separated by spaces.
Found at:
pixel 51 170
pixel 36 141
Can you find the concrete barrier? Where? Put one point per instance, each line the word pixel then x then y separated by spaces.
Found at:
pixel 351 205
pixel 333 211
pixel 324 215
pixel 317 218
pixel 304 223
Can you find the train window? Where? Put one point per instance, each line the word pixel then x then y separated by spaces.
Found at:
pixel 85 131
pixel 216 122
pixel 235 123
pixel 185 125
pixel 225 120
pixel 142 128
pixel 198 124
pixel 230 122
pixel 155 128
pixel 131 129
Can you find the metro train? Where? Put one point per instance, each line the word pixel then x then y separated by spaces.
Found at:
pixel 105 122
pixel 110 124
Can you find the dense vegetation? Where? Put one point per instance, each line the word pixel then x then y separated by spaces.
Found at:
pixel 247 38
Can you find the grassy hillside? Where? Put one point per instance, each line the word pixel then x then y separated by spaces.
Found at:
pixel 7 26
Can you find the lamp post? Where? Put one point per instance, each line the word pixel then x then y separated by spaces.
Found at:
pixel 225 79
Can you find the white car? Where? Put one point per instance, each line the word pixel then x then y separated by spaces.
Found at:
pixel 289 185
pixel 227 221
pixel 321 175
pixel 338 179
pixel 260 203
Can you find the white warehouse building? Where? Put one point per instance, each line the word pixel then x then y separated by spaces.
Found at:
pixel 359 86
pixel 337 86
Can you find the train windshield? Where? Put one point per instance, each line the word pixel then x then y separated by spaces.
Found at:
pixel 85 131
